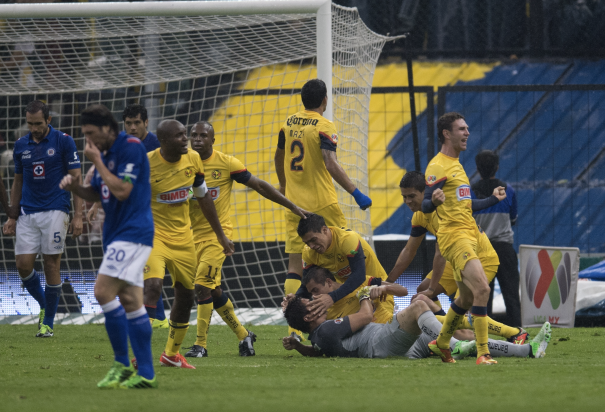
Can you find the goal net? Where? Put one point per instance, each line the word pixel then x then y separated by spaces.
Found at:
pixel 243 73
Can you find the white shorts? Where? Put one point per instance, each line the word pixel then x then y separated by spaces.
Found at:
pixel 42 232
pixel 125 261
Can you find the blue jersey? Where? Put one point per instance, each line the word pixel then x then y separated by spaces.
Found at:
pixel 151 142
pixel 131 219
pixel 43 165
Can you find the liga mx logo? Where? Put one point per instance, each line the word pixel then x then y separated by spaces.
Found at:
pixel 548 274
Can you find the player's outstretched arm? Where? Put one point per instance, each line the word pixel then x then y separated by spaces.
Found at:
pixel 366 312
pixel 269 192
pixel 209 210
pixel 75 227
pixel 498 196
pixel 338 174
pixel 84 192
pixel 405 257
pixel 280 155
pixel 290 343
pixel 385 289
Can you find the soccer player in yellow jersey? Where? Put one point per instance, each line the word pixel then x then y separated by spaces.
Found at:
pixel 344 253
pixel 318 281
pixel 449 194
pixel 441 278
pixel 306 163
pixel 221 171
pixel 175 169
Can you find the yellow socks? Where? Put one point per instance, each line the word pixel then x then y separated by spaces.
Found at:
pixel 293 282
pixel 479 315
pixel 204 314
pixel 227 312
pixel 493 327
pixel 175 337
pixel 450 323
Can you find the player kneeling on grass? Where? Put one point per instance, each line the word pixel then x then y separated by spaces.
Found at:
pixel 121 183
pixel 407 335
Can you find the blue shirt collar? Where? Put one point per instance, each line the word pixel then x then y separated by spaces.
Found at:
pixel 31 139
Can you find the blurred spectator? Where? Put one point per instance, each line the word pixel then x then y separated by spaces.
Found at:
pixel 496 222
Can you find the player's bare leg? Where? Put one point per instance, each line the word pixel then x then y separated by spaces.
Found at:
pixel 152 290
pixel 293 281
pixel 179 324
pixel 424 285
pixel 408 318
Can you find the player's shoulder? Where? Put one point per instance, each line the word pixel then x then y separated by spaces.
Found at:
pixel 21 143
pixel 153 156
pixel 419 219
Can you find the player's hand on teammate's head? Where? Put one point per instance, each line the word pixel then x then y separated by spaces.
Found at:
pixel 10 227
pixel 301 212
pixel 227 244
pixel 438 197
pixel 500 193
pixel 362 200
pixel 319 305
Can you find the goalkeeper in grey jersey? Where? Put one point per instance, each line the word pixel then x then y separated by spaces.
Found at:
pixel 407 335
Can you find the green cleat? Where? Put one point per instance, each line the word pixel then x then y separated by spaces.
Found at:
pixel 41 317
pixel 464 348
pixel 160 324
pixel 44 332
pixel 138 382
pixel 116 375
pixel 540 341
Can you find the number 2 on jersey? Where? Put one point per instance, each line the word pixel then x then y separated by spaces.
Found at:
pixel 295 163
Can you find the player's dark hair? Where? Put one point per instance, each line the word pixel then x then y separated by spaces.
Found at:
pixel 487 163
pixel 99 115
pixel 36 106
pixel 413 179
pixel 313 223
pixel 445 122
pixel 317 274
pixel 133 110
pixel 313 93
pixel 204 122
pixel 295 315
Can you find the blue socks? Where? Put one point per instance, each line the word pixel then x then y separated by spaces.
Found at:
pixel 139 331
pixel 116 325
pixel 52 293
pixel 159 310
pixel 33 286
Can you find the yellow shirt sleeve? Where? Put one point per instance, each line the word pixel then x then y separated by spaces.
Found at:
pixel 235 166
pixel 350 244
pixel 418 219
pixel 435 173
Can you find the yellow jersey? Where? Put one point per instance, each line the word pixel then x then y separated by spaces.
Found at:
pixel 170 184
pixel 345 244
pixel 456 212
pixel 308 183
pixel 221 171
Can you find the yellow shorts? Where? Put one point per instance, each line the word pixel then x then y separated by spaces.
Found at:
pixel 350 305
pixel 486 252
pixel 458 248
pixel 210 258
pixel 331 214
pixel 179 259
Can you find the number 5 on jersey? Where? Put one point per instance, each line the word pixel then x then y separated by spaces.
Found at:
pixel 295 164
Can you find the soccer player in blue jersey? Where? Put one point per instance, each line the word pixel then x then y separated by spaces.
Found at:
pixel 121 183
pixel 135 124
pixel 39 211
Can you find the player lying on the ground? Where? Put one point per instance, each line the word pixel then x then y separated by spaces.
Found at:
pixel 441 278
pixel 221 171
pixel 174 170
pixel 407 335
pixel 344 253
pixel 121 184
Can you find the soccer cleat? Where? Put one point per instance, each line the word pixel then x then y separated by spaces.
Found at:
pixel 116 375
pixel 196 351
pixel 138 382
pixel 486 360
pixel 519 338
pixel 41 317
pixel 44 332
pixel 464 348
pixel 160 324
pixel 246 346
pixel 540 341
pixel 445 354
pixel 176 361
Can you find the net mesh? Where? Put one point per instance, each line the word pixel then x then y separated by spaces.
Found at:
pixel 242 73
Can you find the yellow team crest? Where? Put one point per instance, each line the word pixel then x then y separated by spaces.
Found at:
pixel 146 269
pixel 340 258
pixel 216 174
pixel 465 255
pixel 188 173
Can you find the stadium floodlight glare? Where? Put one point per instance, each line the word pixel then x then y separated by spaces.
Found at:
pixel 238 64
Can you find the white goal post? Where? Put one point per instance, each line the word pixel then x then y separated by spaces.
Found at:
pixel 238 64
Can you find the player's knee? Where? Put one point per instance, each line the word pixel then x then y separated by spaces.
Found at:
pixel 419 306
pixel 202 292
pixel 152 289
pixel 217 292
pixel 102 294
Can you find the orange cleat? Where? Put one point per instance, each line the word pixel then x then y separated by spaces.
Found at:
pixel 486 360
pixel 446 354
pixel 176 361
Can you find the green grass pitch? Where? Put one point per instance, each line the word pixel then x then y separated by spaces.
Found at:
pixel 60 374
